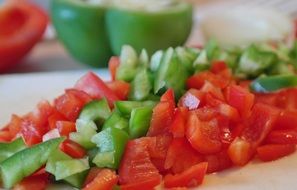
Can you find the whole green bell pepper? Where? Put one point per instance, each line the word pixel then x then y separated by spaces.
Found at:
pixel 152 30
pixel 81 28
pixel 90 30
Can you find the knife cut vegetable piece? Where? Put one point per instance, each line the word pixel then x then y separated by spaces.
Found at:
pixel 166 76
pixel 203 136
pixel 139 122
pixel 191 177
pixel 117 121
pixel 35 181
pixel 75 180
pixel 85 131
pixel 26 162
pixel 126 107
pixel 73 149
pixel 66 168
pixel 137 166
pixel 93 85
pixel 244 146
pixel 128 64
pixel 120 88
pixel 275 151
pixel 273 83
pixel 111 143
pixel 97 111
pixel 253 61
pixel 105 180
pixel 141 85
pixel 8 149
pixel 282 137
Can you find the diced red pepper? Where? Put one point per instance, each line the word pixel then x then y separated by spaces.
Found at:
pixel 105 180
pixel 191 177
pixel 275 151
pixel 72 149
pixel 113 64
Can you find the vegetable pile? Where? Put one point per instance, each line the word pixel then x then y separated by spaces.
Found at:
pixel 161 121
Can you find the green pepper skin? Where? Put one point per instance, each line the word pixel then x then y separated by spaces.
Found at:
pixel 139 122
pixel 81 28
pixel 8 149
pixel 26 162
pixel 126 107
pixel 96 111
pixel 116 121
pixel 167 77
pixel 273 83
pixel 149 30
pixel 75 180
pixel 141 85
pixel 111 143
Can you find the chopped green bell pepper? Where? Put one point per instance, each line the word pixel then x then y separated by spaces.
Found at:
pixel 76 179
pixel 126 107
pixel 141 85
pixel 96 110
pixel 116 121
pixel 111 143
pixel 8 149
pixel 67 168
pixel 171 74
pixel 128 67
pixel 26 162
pixel 273 83
pixel 139 122
pixel 254 61
pixel 85 130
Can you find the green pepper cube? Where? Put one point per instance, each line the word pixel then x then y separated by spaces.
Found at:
pixel 171 74
pixel 96 110
pixel 187 57
pixel 67 168
pixel 126 107
pixel 254 61
pixel 8 149
pixel 139 122
pixel 128 67
pixel 141 85
pixel 116 121
pixel 85 130
pixel 75 180
pixel 111 143
pixel 26 162
pixel 273 83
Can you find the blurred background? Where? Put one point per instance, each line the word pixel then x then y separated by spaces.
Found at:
pixel 50 55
